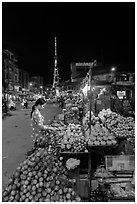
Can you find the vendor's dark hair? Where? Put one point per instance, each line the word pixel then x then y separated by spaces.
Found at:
pixel 40 101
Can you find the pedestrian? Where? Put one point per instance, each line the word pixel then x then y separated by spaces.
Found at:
pixel 4 106
pixel 25 103
pixel 22 103
pixel 12 105
pixel 118 106
pixel 61 102
pixel 112 99
pixel 37 121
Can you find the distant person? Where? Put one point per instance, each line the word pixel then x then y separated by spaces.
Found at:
pixel 26 103
pixel 112 99
pixel 118 106
pixel 22 103
pixel 61 102
pixel 4 106
pixel 37 120
pixel 12 105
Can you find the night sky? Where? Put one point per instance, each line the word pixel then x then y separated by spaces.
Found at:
pixel 85 32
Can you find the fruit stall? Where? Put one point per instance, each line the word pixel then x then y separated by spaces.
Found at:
pixel 87 158
pixel 42 177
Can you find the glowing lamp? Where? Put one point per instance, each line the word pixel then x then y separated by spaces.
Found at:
pixel 113 69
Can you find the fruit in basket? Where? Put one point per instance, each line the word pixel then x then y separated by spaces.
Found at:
pixel 117 191
pixel 102 172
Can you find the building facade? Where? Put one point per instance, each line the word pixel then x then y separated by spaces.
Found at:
pixel 13 78
pixel 107 83
pixel 79 69
pixel 10 71
pixel 124 86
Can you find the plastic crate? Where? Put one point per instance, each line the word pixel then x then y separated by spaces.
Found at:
pixel 120 163
pixel 75 174
pixel 84 188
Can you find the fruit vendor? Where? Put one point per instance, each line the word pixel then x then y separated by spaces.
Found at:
pixel 37 120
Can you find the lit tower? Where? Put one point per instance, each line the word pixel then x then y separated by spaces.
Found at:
pixel 56 74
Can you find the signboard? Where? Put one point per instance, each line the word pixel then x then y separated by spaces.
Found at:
pixel 124 83
pixel 103 77
pixel 84 64
pixel 120 163
pixel 120 94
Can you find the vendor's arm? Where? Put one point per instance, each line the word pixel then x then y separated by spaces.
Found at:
pixel 46 127
pixel 38 119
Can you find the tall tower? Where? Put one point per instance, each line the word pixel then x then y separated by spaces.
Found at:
pixel 56 74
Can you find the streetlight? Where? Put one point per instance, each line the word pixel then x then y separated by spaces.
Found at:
pixel 41 89
pixel 113 73
pixel 113 69
pixel 91 91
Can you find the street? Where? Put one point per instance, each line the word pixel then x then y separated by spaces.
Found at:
pixel 16 139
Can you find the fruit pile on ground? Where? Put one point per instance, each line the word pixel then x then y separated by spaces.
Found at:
pixel 40 178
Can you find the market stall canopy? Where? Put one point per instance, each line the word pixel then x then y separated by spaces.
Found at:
pixel 100 83
pixel 81 75
pixel 97 70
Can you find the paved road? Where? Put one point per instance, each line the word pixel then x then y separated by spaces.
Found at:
pixel 16 138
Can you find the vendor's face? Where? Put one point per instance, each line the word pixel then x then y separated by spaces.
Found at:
pixel 42 106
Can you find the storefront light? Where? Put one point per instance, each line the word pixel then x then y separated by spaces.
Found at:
pixel 85 89
pixel 93 89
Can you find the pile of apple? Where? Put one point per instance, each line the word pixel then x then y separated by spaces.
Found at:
pixel 99 136
pixel 74 139
pixel 41 178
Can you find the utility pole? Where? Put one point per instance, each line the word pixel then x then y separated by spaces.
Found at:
pixel 91 92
